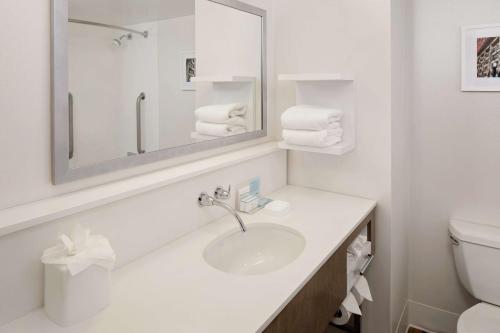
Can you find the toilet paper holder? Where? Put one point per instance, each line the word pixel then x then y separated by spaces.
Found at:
pixel 366 264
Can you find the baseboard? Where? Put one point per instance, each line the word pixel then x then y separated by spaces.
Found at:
pixel 431 318
pixel 403 320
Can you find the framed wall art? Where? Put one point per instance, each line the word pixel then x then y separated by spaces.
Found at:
pixel 481 58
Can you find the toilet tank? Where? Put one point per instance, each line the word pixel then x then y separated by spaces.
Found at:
pixel 476 248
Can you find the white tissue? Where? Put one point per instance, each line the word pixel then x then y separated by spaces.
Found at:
pixel 358 297
pixel 360 291
pixel 363 289
pixel 351 304
pixel 79 251
pixel 360 246
pixel 348 307
pixel 342 316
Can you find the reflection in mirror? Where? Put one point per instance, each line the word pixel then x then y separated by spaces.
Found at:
pixel 148 75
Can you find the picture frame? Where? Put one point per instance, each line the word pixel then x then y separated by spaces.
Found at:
pixel 481 58
pixel 187 70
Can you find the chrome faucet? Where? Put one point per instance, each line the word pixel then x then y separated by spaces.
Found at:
pixel 206 200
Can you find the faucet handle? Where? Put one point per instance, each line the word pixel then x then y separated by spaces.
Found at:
pixel 221 193
pixel 205 200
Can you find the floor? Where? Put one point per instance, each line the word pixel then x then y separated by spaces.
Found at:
pixel 332 329
pixel 416 330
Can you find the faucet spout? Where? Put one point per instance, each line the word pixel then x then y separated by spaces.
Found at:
pixel 205 200
pixel 232 212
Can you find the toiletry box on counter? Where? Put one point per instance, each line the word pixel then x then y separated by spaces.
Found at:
pixel 175 290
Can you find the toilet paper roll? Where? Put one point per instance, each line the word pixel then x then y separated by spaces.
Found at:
pixel 348 306
pixel 342 316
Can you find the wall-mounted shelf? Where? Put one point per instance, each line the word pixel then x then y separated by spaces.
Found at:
pixel 316 77
pixel 223 79
pixel 227 89
pixel 331 90
pixel 338 149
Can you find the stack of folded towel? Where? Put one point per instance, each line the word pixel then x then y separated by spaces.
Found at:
pixel 221 120
pixel 314 126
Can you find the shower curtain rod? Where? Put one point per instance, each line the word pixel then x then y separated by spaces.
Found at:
pixel 110 26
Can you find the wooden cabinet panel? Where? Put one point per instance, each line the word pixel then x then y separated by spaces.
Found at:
pixel 314 306
pixel 311 310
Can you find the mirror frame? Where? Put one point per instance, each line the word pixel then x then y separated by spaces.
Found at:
pixel 61 171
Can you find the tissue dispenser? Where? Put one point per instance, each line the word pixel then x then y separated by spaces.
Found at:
pixel 77 277
pixel 70 299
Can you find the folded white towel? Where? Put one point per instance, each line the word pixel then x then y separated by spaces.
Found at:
pixel 322 138
pixel 235 121
pixel 334 131
pixel 308 117
pixel 220 114
pixel 334 125
pixel 212 129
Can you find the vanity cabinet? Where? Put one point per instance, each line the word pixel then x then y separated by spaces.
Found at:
pixel 316 303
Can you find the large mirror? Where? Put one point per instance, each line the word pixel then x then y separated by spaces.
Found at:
pixel 137 81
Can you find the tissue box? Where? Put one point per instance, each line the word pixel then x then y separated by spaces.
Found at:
pixel 71 299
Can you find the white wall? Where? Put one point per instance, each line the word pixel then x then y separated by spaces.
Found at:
pixel 456 148
pixel 401 156
pixel 105 81
pixel 94 81
pixel 353 37
pixel 176 105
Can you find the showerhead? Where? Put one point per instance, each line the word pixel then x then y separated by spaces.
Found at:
pixel 118 42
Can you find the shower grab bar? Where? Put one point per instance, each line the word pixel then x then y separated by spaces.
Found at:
pixel 144 34
pixel 70 123
pixel 141 97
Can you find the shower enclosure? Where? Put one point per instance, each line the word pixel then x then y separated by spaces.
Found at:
pixel 111 71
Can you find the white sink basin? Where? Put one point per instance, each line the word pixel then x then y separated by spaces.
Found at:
pixel 262 249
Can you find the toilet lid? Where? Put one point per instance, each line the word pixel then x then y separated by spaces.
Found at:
pixel 481 318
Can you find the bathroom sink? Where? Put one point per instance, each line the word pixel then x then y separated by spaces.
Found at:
pixel 264 248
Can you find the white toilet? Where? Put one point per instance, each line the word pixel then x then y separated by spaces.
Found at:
pixel 476 248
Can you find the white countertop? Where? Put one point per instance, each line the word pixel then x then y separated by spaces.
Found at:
pixel 174 290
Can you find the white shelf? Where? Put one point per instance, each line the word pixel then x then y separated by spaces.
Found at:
pixel 338 149
pixel 316 77
pixel 331 91
pixel 223 79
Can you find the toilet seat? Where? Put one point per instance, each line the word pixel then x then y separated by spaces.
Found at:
pixel 481 318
